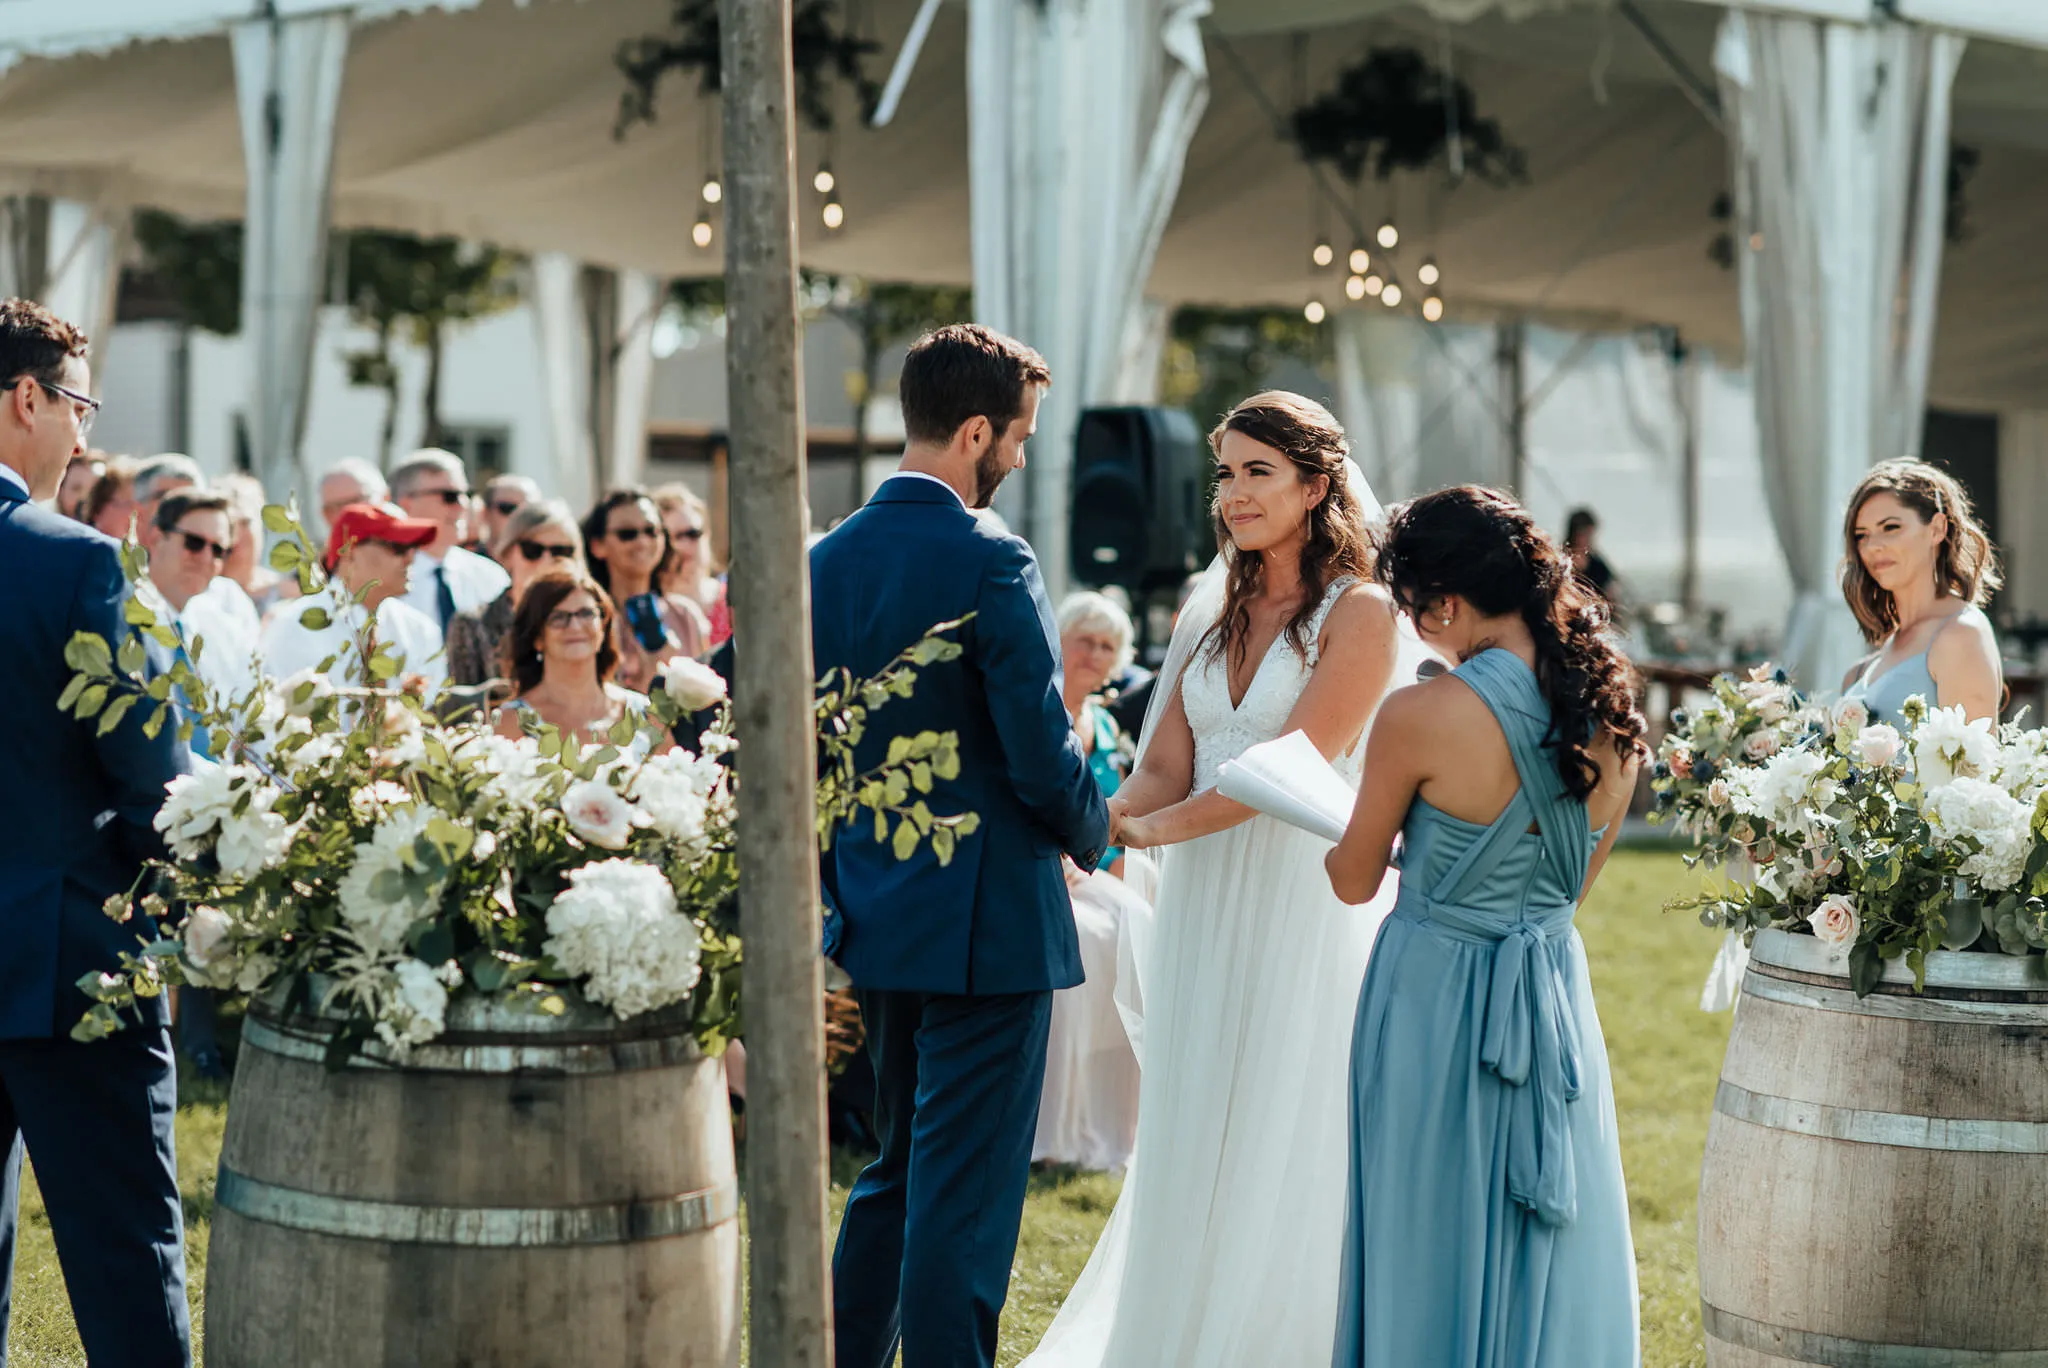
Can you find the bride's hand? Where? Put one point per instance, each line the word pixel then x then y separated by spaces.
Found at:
pixel 1119 813
pixel 1135 833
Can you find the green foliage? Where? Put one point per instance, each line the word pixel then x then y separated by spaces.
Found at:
pixel 824 49
pixel 1215 357
pixel 199 265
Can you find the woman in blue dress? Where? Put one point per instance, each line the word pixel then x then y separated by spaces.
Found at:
pixel 1488 1223
pixel 1917 570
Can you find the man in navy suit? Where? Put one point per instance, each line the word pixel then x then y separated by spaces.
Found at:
pixel 954 966
pixel 76 810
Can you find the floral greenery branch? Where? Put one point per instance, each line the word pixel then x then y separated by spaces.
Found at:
pixel 356 853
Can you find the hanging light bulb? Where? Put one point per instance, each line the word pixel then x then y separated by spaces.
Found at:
pixel 700 231
pixel 1313 311
pixel 1373 284
pixel 1391 296
pixel 834 214
pixel 1427 273
pixel 1432 308
pixel 1388 235
pixel 1322 254
pixel 713 191
pixel 1354 287
pixel 1360 260
pixel 824 180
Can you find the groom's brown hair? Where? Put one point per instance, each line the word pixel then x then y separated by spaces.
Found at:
pixel 965 371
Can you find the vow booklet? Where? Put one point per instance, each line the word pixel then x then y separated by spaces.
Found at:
pixel 1288 778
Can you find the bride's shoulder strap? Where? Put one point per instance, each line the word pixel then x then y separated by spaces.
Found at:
pixel 1337 589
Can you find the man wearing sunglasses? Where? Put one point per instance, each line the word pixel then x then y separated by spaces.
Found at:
pixel 433 487
pixel 370 549
pixel 504 496
pixel 77 803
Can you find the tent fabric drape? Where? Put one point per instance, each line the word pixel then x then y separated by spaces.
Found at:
pixel 638 299
pixel 556 294
pixel 1070 197
pixel 288 88
pixel 1841 155
pixel 83 271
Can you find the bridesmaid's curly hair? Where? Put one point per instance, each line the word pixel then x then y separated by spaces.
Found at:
pixel 1307 435
pixel 1482 546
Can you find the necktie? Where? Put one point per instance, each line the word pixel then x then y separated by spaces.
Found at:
pixel 444 597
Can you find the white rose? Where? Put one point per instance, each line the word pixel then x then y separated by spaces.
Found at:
pixel 206 935
pixel 1851 715
pixel 1878 745
pixel 1835 923
pixel 693 684
pixel 1760 745
pixel 599 815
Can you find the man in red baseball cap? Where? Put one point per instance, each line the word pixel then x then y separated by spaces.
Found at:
pixel 369 552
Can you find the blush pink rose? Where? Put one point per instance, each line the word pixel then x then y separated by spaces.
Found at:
pixel 1835 923
pixel 1760 746
pixel 1878 745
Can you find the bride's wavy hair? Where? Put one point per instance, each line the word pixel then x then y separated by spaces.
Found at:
pixel 1336 543
pixel 1482 546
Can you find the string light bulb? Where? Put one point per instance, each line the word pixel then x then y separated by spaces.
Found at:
pixel 1373 284
pixel 1313 311
pixel 700 231
pixel 1354 287
pixel 1322 254
pixel 1427 273
pixel 713 191
pixel 1391 296
pixel 834 214
pixel 1360 260
pixel 1388 236
pixel 824 180
pixel 1432 308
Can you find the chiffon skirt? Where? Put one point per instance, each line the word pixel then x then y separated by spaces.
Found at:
pixel 1088 1111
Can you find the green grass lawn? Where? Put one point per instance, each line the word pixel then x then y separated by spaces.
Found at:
pixel 1647 969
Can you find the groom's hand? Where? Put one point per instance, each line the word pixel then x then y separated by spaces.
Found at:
pixel 1119 811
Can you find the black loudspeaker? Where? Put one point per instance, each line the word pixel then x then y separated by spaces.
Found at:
pixel 1140 518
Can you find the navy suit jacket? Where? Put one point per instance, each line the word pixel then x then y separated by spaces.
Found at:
pixel 998 919
pixel 76 807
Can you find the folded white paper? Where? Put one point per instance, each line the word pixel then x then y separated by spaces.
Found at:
pixel 1288 778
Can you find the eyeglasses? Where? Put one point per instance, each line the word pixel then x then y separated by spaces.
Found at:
pixel 534 550
pixel 505 510
pixel 195 543
pixel 690 534
pixel 633 534
pixel 446 496
pixel 562 619
pixel 88 407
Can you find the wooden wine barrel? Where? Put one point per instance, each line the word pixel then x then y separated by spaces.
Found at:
pixel 1876 1171
pixel 526 1192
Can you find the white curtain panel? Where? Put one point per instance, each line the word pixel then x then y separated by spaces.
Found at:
pixel 639 297
pixel 1840 142
pixel 556 294
pixel 83 273
pixel 288 75
pixel 1080 113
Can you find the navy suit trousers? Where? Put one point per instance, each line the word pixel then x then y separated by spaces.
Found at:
pixel 931 1226
pixel 86 1112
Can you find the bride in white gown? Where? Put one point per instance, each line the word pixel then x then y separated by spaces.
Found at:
pixel 1224 1247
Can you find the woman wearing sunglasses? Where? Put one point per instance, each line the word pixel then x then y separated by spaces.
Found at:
pixel 628 545
pixel 561 657
pixel 690 571
pixel 537 537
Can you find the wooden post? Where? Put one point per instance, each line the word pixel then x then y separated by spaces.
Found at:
pixel 789 1310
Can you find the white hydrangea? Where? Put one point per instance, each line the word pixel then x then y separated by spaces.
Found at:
pixel 415 1008
pixel 257 840
pixel 198 805
pixel 517 774
pixel 1786 790
pixel 2023 763
pixel 677 791
pixel 616 927
pixel 380 921
pixel 1948 746
pixel 2000 824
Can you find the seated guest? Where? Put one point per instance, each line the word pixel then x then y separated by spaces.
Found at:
pixel 369 549
pixel 561 657
pixel 1088 1107
pixel 79 477
pixel 110 508
pixel 628 545
pixel 537 537
pixel 193 531
pixel 348 481
pixel 154 479
pixel 433 486
pixel 504 495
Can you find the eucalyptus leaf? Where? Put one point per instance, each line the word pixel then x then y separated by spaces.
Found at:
pixel 1963 923
pixel 88 653
pixel 92 700
pixel 316 619
pixel 116 710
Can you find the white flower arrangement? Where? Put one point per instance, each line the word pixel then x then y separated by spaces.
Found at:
pixel 615 927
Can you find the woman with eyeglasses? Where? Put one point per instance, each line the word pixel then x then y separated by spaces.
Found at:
pixel 628 544
pixel 690 571
pixel 561 657
pixel 538 536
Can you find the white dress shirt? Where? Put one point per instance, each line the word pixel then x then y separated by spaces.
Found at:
pixel 226 660
pixel 473 581
pixel 289 645
pixel 231 601
pixel 921 475
pixel 12 476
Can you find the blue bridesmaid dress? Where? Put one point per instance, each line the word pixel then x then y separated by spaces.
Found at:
pixel 1488 1223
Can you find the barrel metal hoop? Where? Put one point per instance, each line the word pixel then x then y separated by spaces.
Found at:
pixel 1805 1346
pixel 1761 983
pixel 1945 968
pixel 355 1218
pixel 620 1056
pixel 1960 1134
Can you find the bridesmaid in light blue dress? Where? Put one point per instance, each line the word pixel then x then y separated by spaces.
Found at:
pixel 1488 1222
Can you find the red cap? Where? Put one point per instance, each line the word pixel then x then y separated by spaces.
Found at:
pixel 375 522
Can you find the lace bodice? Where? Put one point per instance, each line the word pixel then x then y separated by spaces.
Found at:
pixel 1222 732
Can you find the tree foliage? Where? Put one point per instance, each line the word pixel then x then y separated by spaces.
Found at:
pixel 1215 357
pixel 824 48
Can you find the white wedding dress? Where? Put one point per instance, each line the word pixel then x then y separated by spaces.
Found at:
pixel 1224 1248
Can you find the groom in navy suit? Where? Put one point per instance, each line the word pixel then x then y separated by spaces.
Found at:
pixel 76 809
pixel 954 966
